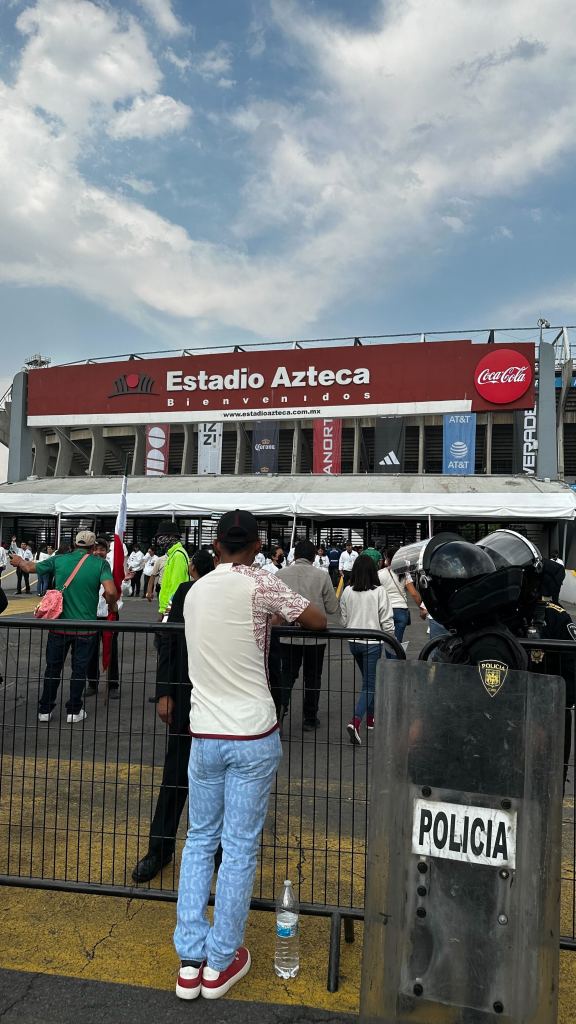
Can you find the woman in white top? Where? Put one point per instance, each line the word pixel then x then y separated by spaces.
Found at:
pixel 397 587
pixel 365 605
pixel 150 559
pixel 322 561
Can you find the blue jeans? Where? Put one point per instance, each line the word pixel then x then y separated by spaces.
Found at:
pixel 229 784
pixel 366 657
pixel 401 619
pixel 42 584
pixel 57 647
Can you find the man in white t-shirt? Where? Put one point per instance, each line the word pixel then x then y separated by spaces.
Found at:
pixel 347 559
pixel 235 751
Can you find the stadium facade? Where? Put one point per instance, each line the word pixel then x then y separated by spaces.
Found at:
pixel 348 439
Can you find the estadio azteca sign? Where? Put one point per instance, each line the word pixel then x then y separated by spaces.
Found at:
pixel 370 380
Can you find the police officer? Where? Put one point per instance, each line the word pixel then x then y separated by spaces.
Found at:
pixel 463 588
pixel 537 615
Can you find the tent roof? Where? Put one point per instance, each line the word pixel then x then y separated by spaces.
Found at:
pixel 375 497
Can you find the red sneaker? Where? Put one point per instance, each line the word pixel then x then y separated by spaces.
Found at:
pixel 217 983
pixel 370 722
pixel 189 982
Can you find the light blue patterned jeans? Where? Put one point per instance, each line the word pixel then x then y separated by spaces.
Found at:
pixel 229 786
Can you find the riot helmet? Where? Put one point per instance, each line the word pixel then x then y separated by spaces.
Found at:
pixel 460 583
pixel 509 548
pixel 408 559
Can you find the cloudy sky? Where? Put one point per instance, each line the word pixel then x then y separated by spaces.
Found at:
pixel 187 172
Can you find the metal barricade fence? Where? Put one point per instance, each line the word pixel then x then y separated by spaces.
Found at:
pixel 558 658
pixel 79 801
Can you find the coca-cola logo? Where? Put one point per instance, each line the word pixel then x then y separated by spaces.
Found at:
pixel 503 376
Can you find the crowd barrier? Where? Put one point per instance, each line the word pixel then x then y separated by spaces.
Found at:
pixel 77 800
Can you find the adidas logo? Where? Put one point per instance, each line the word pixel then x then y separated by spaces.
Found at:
pixel 390 460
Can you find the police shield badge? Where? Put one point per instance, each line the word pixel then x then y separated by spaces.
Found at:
pixel 493 675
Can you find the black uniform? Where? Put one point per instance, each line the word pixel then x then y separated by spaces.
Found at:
pixel 557 624
pixel 172 681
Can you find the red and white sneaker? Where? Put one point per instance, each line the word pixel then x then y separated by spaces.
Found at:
pixel 189 982
pixel 217 983
pixel 370 722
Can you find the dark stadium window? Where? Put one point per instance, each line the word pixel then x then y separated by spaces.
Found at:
pixel 411 444
pixel 570 450
pixel 433 437
pixel 502 448
pixel 480 463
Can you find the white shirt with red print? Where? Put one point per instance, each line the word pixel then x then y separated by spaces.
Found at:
pixel 227 622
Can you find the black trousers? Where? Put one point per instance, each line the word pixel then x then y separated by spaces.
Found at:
pixel 174 787
pixel 19 575
pixel 135 583
pixel 93 667
pixel 312 655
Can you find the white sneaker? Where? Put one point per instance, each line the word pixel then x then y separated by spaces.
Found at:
pixel 44 716
pixel 73 719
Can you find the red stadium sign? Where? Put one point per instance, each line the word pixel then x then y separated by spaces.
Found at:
pixel 327 383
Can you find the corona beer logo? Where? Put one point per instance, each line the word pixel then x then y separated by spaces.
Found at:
pixel 133 384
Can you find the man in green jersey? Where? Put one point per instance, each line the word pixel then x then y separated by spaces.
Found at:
pixel 79 575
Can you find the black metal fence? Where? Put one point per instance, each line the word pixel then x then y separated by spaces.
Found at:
pixel 79 800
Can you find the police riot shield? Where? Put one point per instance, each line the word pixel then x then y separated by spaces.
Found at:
pixel 464 849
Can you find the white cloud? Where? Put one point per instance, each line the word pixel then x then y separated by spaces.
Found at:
pixel 162 14
pixel 502 232
pixel 182 64
pixel 214 63
pixel 80 59
pixel 389 148
pixel 456 224
pixel 149 117
pixel 140 185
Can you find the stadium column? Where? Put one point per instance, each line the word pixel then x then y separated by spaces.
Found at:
pixel 41 454
pixel 20 450
pixel 138 459
pixel 357 446
pixel 65 454
pixel 96 466
pixel 547 456
pixel 188 451
pixel 296 448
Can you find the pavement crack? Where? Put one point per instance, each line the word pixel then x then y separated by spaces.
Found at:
pixel 91 953
pixel 138 910
pixel 24 995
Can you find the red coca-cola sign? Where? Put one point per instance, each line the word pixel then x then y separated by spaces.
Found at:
pixel 502 376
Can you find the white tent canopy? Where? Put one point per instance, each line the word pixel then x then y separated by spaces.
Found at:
pixel 374 497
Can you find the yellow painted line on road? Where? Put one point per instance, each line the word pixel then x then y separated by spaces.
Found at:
pixel 129 942
pixel 21 605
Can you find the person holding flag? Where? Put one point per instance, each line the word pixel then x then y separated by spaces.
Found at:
pixel 116 559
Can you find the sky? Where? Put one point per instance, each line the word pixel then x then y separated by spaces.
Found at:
pixel 187 173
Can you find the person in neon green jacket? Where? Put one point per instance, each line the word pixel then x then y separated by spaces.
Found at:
pixel 176 568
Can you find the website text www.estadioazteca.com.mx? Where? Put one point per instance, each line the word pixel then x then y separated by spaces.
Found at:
pixel 260 414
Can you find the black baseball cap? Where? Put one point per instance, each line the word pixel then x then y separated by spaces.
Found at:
pixel 237 526
pixel 168 529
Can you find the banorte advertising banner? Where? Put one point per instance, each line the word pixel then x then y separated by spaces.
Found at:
pixel 369 380
pixel 157 450
pixel 327 450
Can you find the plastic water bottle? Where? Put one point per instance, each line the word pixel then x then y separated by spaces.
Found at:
pixel 287 952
